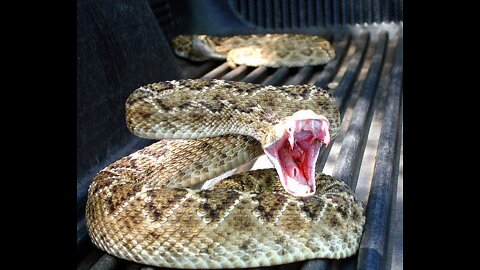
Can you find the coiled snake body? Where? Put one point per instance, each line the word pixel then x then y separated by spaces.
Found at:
pixel 143 207
pixel 271 50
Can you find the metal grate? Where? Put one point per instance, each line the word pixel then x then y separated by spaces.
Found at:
pixel 286 14
pixel 367 152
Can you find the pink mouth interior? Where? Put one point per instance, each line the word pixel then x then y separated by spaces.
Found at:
pixel 295 154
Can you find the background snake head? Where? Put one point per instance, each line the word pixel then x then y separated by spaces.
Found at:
pixel 293 146
pixel 207 45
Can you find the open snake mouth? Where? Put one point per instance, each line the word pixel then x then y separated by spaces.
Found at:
pixel 295 154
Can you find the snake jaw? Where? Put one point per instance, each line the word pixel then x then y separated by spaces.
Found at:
pixel 294 154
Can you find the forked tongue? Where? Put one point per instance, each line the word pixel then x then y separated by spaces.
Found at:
pixel 295 155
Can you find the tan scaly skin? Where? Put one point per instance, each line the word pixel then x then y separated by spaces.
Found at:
pixel 271 50
pixel 141 208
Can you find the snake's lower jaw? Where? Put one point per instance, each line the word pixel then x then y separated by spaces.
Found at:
pixel 296 188
pixel 293 179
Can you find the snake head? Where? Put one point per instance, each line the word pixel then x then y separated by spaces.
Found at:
pixel 206 45
pixel 293 146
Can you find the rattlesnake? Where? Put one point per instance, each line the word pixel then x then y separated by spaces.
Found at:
pixel 143 207
pixel 271 50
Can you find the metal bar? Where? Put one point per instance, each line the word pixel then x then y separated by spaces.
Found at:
pixel 217 72
pixel 257 75
pixel 301 76
pixel 236 73
pixel 277 77
pixel 351 147
pixel 375 232
pixel 349 78
pixel 344 88
pixel 394 257
pixel 347 165
pixel 368 163
pixel 370 141
pixel 329 71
